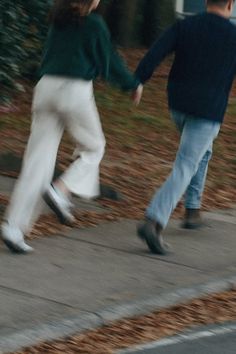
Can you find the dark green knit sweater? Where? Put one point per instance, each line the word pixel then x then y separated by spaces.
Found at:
pixel 84 50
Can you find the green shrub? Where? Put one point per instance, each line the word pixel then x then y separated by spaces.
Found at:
pixel 23 27
pixel 22 30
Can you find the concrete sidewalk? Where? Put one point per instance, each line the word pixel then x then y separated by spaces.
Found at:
pixel 88 277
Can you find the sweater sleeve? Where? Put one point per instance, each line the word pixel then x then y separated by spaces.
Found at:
pixel 164 46
pixel 112 67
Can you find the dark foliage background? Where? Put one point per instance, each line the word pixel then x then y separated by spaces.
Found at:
pixel 23 27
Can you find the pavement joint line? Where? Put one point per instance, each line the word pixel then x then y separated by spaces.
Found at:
pixel 27 294
pixel 152 257
pixel 183 338
pixel 92 320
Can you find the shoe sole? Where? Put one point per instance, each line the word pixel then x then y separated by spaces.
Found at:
pixel 63 220
pixel 153 243
pixel 191 226
pixel 15 249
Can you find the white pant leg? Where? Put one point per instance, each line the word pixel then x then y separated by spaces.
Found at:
pixel 83 123
pixel 38 167
pixel 58 102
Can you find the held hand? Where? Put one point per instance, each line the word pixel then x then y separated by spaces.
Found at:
pixel 137 95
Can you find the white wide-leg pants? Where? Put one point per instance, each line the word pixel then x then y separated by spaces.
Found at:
pixel 58 104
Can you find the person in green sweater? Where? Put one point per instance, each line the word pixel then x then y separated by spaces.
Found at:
pixel 78 49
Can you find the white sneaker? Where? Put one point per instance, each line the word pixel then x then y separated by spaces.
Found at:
pixel 60 204
pixel 14 239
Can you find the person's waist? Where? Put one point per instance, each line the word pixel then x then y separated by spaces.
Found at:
pixel 67 79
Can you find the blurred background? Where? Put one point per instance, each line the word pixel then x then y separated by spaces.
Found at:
pixel 134 25
pixel 23 27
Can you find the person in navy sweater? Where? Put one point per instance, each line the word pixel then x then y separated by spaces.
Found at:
pixel 199 84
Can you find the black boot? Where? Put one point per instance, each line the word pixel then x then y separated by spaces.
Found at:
pixel 192 219
pixel 150 231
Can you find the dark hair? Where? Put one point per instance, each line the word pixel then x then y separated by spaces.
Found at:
pixel 218 2
pixel 65 12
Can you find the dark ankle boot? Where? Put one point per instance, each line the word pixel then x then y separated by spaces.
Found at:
pixel 192 219
pixel 150 231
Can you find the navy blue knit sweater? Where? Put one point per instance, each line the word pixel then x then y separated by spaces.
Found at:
pixel 204 66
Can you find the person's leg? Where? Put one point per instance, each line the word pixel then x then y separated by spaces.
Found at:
pixel 36 174
pixel 194 192
pixel 37 170
pixel 83 123
pixel 197 137
pixel 82 176
pixel 195 189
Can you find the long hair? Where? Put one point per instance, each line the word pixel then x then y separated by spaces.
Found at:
pixel 65 12
pixel 218 2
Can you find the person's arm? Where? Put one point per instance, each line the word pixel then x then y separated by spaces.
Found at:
pixel 111 65
pixel 165 45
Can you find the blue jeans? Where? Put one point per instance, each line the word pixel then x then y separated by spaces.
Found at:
pixel 190 167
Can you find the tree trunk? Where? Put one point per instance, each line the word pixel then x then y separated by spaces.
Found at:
pixel 122 20
pixel 157 16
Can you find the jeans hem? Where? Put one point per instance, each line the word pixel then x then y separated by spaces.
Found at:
pixel 192 206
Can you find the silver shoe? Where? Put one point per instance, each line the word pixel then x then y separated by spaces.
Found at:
pixel 14 239
pixel 60 205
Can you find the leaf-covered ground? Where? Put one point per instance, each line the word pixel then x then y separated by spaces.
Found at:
pixel 141 146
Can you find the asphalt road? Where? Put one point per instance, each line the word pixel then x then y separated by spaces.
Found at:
pixel 215 340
